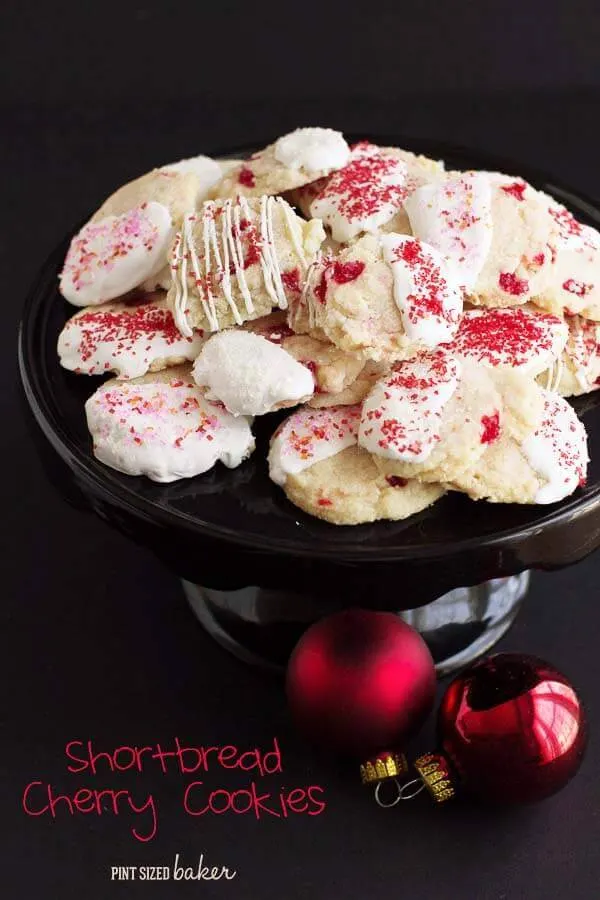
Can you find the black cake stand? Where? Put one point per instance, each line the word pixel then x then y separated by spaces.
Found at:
pixel 255 569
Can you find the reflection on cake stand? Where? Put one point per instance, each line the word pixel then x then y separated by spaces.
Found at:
pixel 262 627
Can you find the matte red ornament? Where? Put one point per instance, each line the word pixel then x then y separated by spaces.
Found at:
pixel 513 728
pixel 359 681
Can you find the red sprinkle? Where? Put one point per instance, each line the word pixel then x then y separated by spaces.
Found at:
pixel 343 273
pixel 396 481
pixel 291 280
pixel 577 287
pixel 516 189
pixel 512 284
pixel 246 177
pixel 491 428
pixel 323 501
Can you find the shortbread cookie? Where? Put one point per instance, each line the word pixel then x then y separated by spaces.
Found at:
pixel 522 338
pixel 354 392
pixel 315 458
pixel 368 194
pixel 434 416
pixel 545 466
pixel 129 338
pixel 236 261
pixel 383 296
pixel 163 427
pixel 577 371
pixel 295 159
pixel 208 172
pixel 575 284
pixel 177 190
pixel 333 369
pixel 113 255
pixel 518 266
pixel 340 379
pixel 251 375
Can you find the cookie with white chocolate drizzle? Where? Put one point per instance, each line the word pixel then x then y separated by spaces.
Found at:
pixel 236 260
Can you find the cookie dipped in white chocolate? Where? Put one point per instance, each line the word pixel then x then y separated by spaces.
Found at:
pixel 312 149
pixel 128 338
pixel 425 289
pixel 402 414
pixel 112 256
pixel 455 217
pixel 522 338
pixel 163 427
pixel 310 436
pixel 557 451
pixel 365 194
pixel 251 375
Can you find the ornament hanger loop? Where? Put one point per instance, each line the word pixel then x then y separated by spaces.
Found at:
pixel 390 803
pixel 407 794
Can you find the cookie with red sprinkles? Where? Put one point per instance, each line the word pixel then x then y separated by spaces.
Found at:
pixel 128 338
pixel 315 458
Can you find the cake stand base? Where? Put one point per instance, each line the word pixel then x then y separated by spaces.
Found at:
pixel 261 627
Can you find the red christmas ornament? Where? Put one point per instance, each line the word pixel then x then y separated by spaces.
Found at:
pixel 511 727
pixel 359 681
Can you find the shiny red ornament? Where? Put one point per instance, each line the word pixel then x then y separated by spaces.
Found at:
pixel 359 681
pixel 513 728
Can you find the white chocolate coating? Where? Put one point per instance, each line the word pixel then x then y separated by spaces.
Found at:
pixel 165 430
pixel 455 217
pixel 309 436
pixel 312 149
pixel 425 289
pixel 251 375
pixel 126 339
pixel 110 257
pixel 364 195
pixel 557 451
pixel 401 415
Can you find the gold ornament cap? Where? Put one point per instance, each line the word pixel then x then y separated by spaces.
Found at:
pixel 435 774
pixel 383 766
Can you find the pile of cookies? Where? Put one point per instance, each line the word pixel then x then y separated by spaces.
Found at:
pixel 425 325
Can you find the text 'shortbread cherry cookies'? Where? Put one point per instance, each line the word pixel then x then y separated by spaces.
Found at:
pixel 315 458
pixel 233 261
pixel 114 255
pixel 455 217
pixel 575 284
pixel 544 466
pixel 519 264
pixel 128 338
pixel 293 160
pixel 163 427
pixel 523 338
pixel 384 296
pixel 251 375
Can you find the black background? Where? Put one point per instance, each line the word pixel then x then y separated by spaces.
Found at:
pixel 97 641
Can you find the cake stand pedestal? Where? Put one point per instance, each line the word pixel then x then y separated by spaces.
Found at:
pixel 261 627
